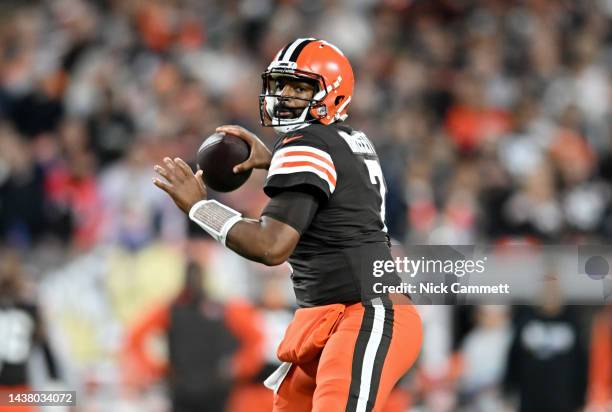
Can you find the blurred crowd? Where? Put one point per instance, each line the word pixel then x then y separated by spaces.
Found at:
pixel 492 119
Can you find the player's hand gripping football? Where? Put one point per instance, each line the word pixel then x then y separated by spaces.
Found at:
pixel 260 156
pixel 184 187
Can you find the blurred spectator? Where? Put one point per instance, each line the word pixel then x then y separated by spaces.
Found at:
pixel 135 212
pixel 483 353
pixel 72 189
pixel 211 347
pixel 470 121
pixel 21 326
pixel 111 129
pixel 534 209
pixel 22 191
pixel 547 362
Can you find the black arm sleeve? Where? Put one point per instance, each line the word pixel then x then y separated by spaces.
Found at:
pixel 295 208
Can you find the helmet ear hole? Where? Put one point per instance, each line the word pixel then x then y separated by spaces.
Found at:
pixel 338 100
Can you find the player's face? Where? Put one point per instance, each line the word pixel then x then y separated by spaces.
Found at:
pixel 295 95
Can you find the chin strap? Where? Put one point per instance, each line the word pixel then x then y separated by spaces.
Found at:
pixel 215 218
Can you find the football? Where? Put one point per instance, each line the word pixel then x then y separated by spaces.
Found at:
pixel 217 156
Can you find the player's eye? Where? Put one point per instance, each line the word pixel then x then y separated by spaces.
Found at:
pixel 280 85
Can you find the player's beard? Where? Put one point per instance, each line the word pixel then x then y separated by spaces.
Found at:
pixel 282 111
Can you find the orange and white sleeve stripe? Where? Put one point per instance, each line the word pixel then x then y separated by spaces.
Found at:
pixel 297 159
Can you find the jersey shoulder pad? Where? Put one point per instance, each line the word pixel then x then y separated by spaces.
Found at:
pixel 301 158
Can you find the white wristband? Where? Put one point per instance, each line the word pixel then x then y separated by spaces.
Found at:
pixel 215 218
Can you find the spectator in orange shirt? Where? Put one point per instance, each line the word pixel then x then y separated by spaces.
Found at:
pixel 470 121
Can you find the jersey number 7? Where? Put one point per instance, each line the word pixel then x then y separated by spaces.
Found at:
pixel 376 176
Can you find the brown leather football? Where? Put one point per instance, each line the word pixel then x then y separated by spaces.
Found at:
pixel 217 156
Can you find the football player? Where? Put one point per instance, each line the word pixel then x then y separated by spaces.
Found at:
pixel 346 347
pixel 21 329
